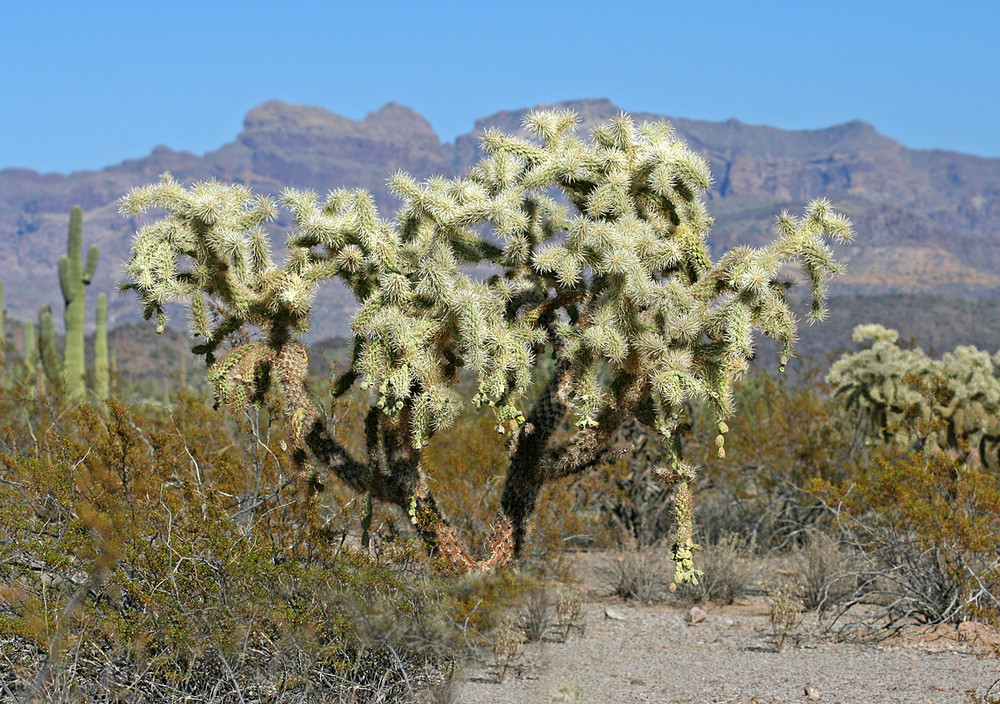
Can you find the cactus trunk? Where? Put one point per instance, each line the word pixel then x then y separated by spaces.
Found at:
pixel 3 341
pixel 30 359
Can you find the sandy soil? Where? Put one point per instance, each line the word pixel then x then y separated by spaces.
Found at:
pixel 653 654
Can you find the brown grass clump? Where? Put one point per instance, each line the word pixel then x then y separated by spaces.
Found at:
pixel 785 612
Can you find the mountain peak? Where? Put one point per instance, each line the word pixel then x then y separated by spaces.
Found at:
pixel 279 116
pixel 276 116
pixel 943 202
pixel 399 117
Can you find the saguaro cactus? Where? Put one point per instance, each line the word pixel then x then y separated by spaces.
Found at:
pixel 102 377
pixel 51 363
pixel 3 340
pixel 30 359
pixel 603 268
pixel 73 279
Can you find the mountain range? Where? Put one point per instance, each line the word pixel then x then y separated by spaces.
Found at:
pixel 928 222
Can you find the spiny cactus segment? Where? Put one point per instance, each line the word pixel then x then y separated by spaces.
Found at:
pixel 3 340
pixel 602 267
pixel 30 359
pixel 51 364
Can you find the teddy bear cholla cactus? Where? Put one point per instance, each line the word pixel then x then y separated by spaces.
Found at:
pixel 600 246
pixel 903 395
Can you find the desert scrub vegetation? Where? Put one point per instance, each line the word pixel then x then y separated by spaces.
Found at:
pixel 787 433
pixel 922 514
pixel 156 553
pixel 926 529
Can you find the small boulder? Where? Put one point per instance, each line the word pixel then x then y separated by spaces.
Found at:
pixel 614 615
pixel 696 615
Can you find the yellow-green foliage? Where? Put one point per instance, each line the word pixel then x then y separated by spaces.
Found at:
pixel 909 397
pixel 153 550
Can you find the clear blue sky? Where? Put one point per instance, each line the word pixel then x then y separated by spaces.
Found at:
pixel 88 84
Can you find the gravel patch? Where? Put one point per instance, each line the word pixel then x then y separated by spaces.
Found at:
pixel 653 654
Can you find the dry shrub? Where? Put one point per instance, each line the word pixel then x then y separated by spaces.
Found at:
pixel 927 529
pixel 728 570
pixel 536 617
pixel 166 555
pixel 507 645
pixel 481 601
pixel 784 434
pixel 541 613
pixel 639 572
pixel 785 612
pixel 825 571
pixel 569 610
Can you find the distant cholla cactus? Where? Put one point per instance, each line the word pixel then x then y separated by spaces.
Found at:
pixel 952 403
pixel 605 270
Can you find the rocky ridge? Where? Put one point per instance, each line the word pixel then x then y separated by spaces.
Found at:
pixel 929 221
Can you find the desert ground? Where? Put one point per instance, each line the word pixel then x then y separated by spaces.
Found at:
pixel 624 652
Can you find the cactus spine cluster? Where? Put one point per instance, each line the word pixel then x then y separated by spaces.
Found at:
pixel 73 280
pixel 602 268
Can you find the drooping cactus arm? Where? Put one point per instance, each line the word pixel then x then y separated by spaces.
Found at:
pixel 328 453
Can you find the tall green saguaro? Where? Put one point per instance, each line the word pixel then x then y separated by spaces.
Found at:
pixel 73 279
pixel 102 377
pixel 47 348
pixel 30 359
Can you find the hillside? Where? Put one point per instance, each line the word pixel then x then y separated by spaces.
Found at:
pixel 928 221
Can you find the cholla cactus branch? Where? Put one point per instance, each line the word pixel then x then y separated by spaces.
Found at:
pixel 605 268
